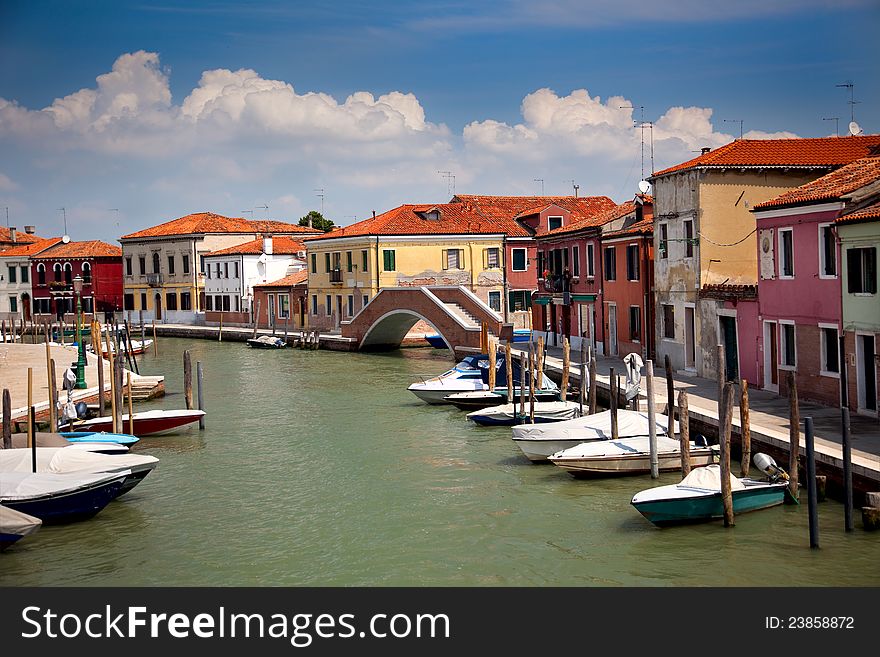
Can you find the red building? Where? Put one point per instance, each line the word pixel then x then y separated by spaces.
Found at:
pixel 53 271
pixel 283 303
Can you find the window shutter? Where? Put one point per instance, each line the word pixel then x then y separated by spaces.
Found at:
pixel 528 299
pixel 445 259
pixel 485 258
pixel 460 258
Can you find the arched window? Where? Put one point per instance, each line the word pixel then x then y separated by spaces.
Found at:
pixel 155 263
pixel 87 273
pixel 41 274
pixel 68 273
pixel 57 269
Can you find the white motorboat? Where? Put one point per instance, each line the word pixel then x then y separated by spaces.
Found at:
pixel 509 414
pixel 539 441
pixel 628 456
pixel 146 423
pixel 15 525
pixel 60 497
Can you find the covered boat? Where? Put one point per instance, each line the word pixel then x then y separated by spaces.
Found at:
pixel 267 342
pixel 539 441
pixel 15 525
pixel 627 456
pixel 56 498
pixel 510 414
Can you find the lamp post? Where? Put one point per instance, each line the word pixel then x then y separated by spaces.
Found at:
pixel 81 346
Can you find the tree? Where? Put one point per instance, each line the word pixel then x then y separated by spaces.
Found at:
pixel 318 221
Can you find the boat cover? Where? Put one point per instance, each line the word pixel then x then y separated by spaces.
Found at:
pixel 15 486
pixel 17 523
pixel 43 439
pixel 593 427
pixel 562 410
pixel 638 445
pixel 708 478
pixel 60 460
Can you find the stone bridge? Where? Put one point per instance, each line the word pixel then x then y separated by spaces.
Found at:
pixel 455 312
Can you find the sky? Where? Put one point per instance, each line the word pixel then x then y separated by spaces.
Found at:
pixel 121 115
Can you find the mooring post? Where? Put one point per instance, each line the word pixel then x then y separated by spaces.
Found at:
pixel 522 383
pixel 492 362
pixel 220 330
pixel 722 372
pixel 745 429
pixel 582 388
pixel 794 435
pixel 592 386
pixel 130 409
pixel 200 384
pixel 566 368
pixel 30 426
pixel 670 397
pixel 812 499
pixel 7 420
pixel 540 358
pixel 652 418
pixel 49 377
pixel 187 380
pixel 612 391
pixel 845 441
pixel 100 378
pixel 155 340
pixel 53 398
pixel 724 443
pixel 531 384
pixel 508 362
pixel 684 430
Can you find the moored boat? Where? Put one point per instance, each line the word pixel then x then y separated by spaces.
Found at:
pixel 146 423
pixel 267 342
pixel 510 414
pixel 57 498
pixel 15 525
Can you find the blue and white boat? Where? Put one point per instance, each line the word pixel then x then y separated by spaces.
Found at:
pixel 510 414
pixel 15 525
pixel 436 340
pixel 125 439
pixel 58 498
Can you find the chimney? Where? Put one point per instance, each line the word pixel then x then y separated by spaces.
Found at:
pixel 267 244
pixel 704 150
pixel 310 219
pixel 12 234
pixel 374 214
pixel 30 230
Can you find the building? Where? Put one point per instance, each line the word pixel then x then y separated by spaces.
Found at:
pixel 53 271
pixel 164 269
pixel 12 237
pixel 16 291
pixel 232 273
pixel 705 237
pixel 283 304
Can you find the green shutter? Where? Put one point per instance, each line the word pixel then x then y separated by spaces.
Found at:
pixel 388 259
pixel 348 260
pixel 327 263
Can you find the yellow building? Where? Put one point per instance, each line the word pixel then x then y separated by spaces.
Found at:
pixel 411 245
pixel 163 269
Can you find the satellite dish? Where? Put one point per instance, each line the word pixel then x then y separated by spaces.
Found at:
pixel 65 239
pixel 854 128
pixel 644 186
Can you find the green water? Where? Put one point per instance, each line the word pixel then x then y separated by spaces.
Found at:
pixel 319 468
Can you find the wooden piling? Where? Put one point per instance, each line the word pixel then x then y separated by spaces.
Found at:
pixel 812 501
pixel 30 426
pixel 508 362
pixel 684 433
pixel 143 329
pixel 582 388
pixel 652 416
pixel 724 442
pixel 670 397
pixel 155 340
pixel 522 383
pixel 53 398
pixel 132 359
pixel 4 332
pixel 492 361
pixel 187 380
pixel 220 331
pixel 130 410
pixel 745 429
pixel 794 435
pixel 612 391
pixel 540 359
pixel 7 419
pixel 846 445
pixel 566 368
pixel 49 377
pixel 722 371
pixel 116 428
pixel 200 384
pixel 484 337
pixel 592 386
pixel 531 384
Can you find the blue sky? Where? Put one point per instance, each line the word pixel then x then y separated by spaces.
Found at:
pixel 160 110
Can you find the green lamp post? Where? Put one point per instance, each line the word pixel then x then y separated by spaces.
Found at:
pixel 81 346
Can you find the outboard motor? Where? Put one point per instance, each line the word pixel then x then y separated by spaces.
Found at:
pixel 768 466
pixel 82 410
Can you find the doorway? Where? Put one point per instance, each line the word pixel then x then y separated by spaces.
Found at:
pixel 731 356
pixel 690 341
pixel 866 373
pixel 158 301
pixel 612 329
pixel 771 357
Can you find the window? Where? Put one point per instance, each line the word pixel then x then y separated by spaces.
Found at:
pixel 492 258
pixel 185 266
pixel 610 264
pixel 217 270
pixel 366 300
pixel 669 321
pixel 128 269
pixel 786 256
pixel 635 323
pixel 41 274
pixel 664 240
pixel 329 307
pixel 326 263
pixel 202 262
pixel 171 301
pixel 632 262
pixel 314 302
pixel 87 272
pixel 861 269
pixel 453 259
pixel 128 302
pixel 364 261
pixel 350 305
pixel 209 302
pixel 349 266
pixel 541 266
pixel 171 264
pixel 495 301
pixel 13 273
pixel 388 263
pixel 828 349
pixel 284 306
pixel 185 300
pixel 688 226
pixel 13 304
pixel 144 301
pixel 237 303
pixel 225 299
pixel 518 300
pixel 225 270
pixel 41 306
pixel 787 350
pixel 554 223
pixel 827 252
pixel 142 262
pixel 575 261
pixel 208 271
pixel 68 273
pixel 314 263
pixel 155 263
pixel 519 259
pixel 57 271
pixel 235 266
pixel 339 306
pixel 87 304
pixel 591 268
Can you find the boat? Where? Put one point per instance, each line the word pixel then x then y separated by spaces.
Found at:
pixel 477 399
pixel 627 456
pixel 510 414
pixel 267 342
pixel 138 347
pixel 57 498
pixel 125 439
pixel 470 375
pixel 15 525
pixel 111 443
pixel 697 498
pixel 539 441
pixel 146 423
pixel 436 340
pixel 66 460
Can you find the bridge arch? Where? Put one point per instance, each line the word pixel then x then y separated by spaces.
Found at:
pixel 389 331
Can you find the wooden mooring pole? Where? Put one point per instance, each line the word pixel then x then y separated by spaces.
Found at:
pixel 745 429
pixel 130 409
pixel 187 380
pixel 684 433
pixel 508 362
pixel 724 442
pixel 155 340
pixel 492 362
pixel 53 398
pixel 592 385
pixel 794 435
pixel 652 416
pixel 531 384
pixel 30 426
pixel 200 388
pixel 49 381
pixel 522 383
pixel 7 420
pixel 566 368
pixel 812 501
pixel 670 398
pixel 582 388
pixel 612 391
pixel 540 358
pixel 845 440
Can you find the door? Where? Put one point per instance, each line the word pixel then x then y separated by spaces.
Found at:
pixel 690 334
pixel 771 357
pixel 270 309
pixel 612 329
pixel 731 357
pixel 158 302
pixel 866 375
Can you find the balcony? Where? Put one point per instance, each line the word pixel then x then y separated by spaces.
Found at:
pixel 336 275
pixel 154 280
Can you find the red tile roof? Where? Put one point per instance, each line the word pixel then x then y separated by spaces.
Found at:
pixel 281 245
pixel 21 237
pixel 87 249
pixel 201 223
pixel 831 186
pixel 870 213
pixel 290 280
pixel 643 227
pixel 506 207
pixel 825 152
pixel 30 249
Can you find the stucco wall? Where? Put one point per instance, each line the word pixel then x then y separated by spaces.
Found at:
pixel 860 312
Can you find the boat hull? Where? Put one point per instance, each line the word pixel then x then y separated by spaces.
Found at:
pixel 539 451
pixel 705 508
pixel 145 425
pixel 626 464
pixel 72 506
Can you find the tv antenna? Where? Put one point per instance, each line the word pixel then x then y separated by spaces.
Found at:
pixel 66 237
pixel 740 121
pixel 641 124
pixel 852 103
pixel 450 181
pixel 320 194
pixel 7 216
pixel 574 185
pixel 116 210
pixel 264 207
pixel 540 180
pixel 836 120
pixel 246 211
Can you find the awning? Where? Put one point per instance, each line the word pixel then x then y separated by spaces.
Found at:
pixel 583 297
pixel 541 301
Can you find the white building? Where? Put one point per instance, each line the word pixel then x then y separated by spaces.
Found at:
pixel 231 273
pixel 16 298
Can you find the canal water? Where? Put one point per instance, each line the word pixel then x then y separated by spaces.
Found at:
pixel 319 468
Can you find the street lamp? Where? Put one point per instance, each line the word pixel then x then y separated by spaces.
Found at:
pixel 81 346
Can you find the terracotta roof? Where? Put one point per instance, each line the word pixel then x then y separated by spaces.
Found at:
pixel 31 249
pixel 20 236
pixel 825 152
pixel 281 245
pixel 290 280
pixel 505 208
pixel 88 249
pixel 609 214
pixel 201 223
pixel 643 227
pixel 831 186
pixel 724 292
pixel 870 213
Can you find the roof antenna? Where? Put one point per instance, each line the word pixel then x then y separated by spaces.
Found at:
pixel 740 121
pixel 450 181
pixel 836 120
pixel 320 195
pixel 540 180
pixel 266 208
pixel 852 103
pixel 66 237
pixel 116 210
